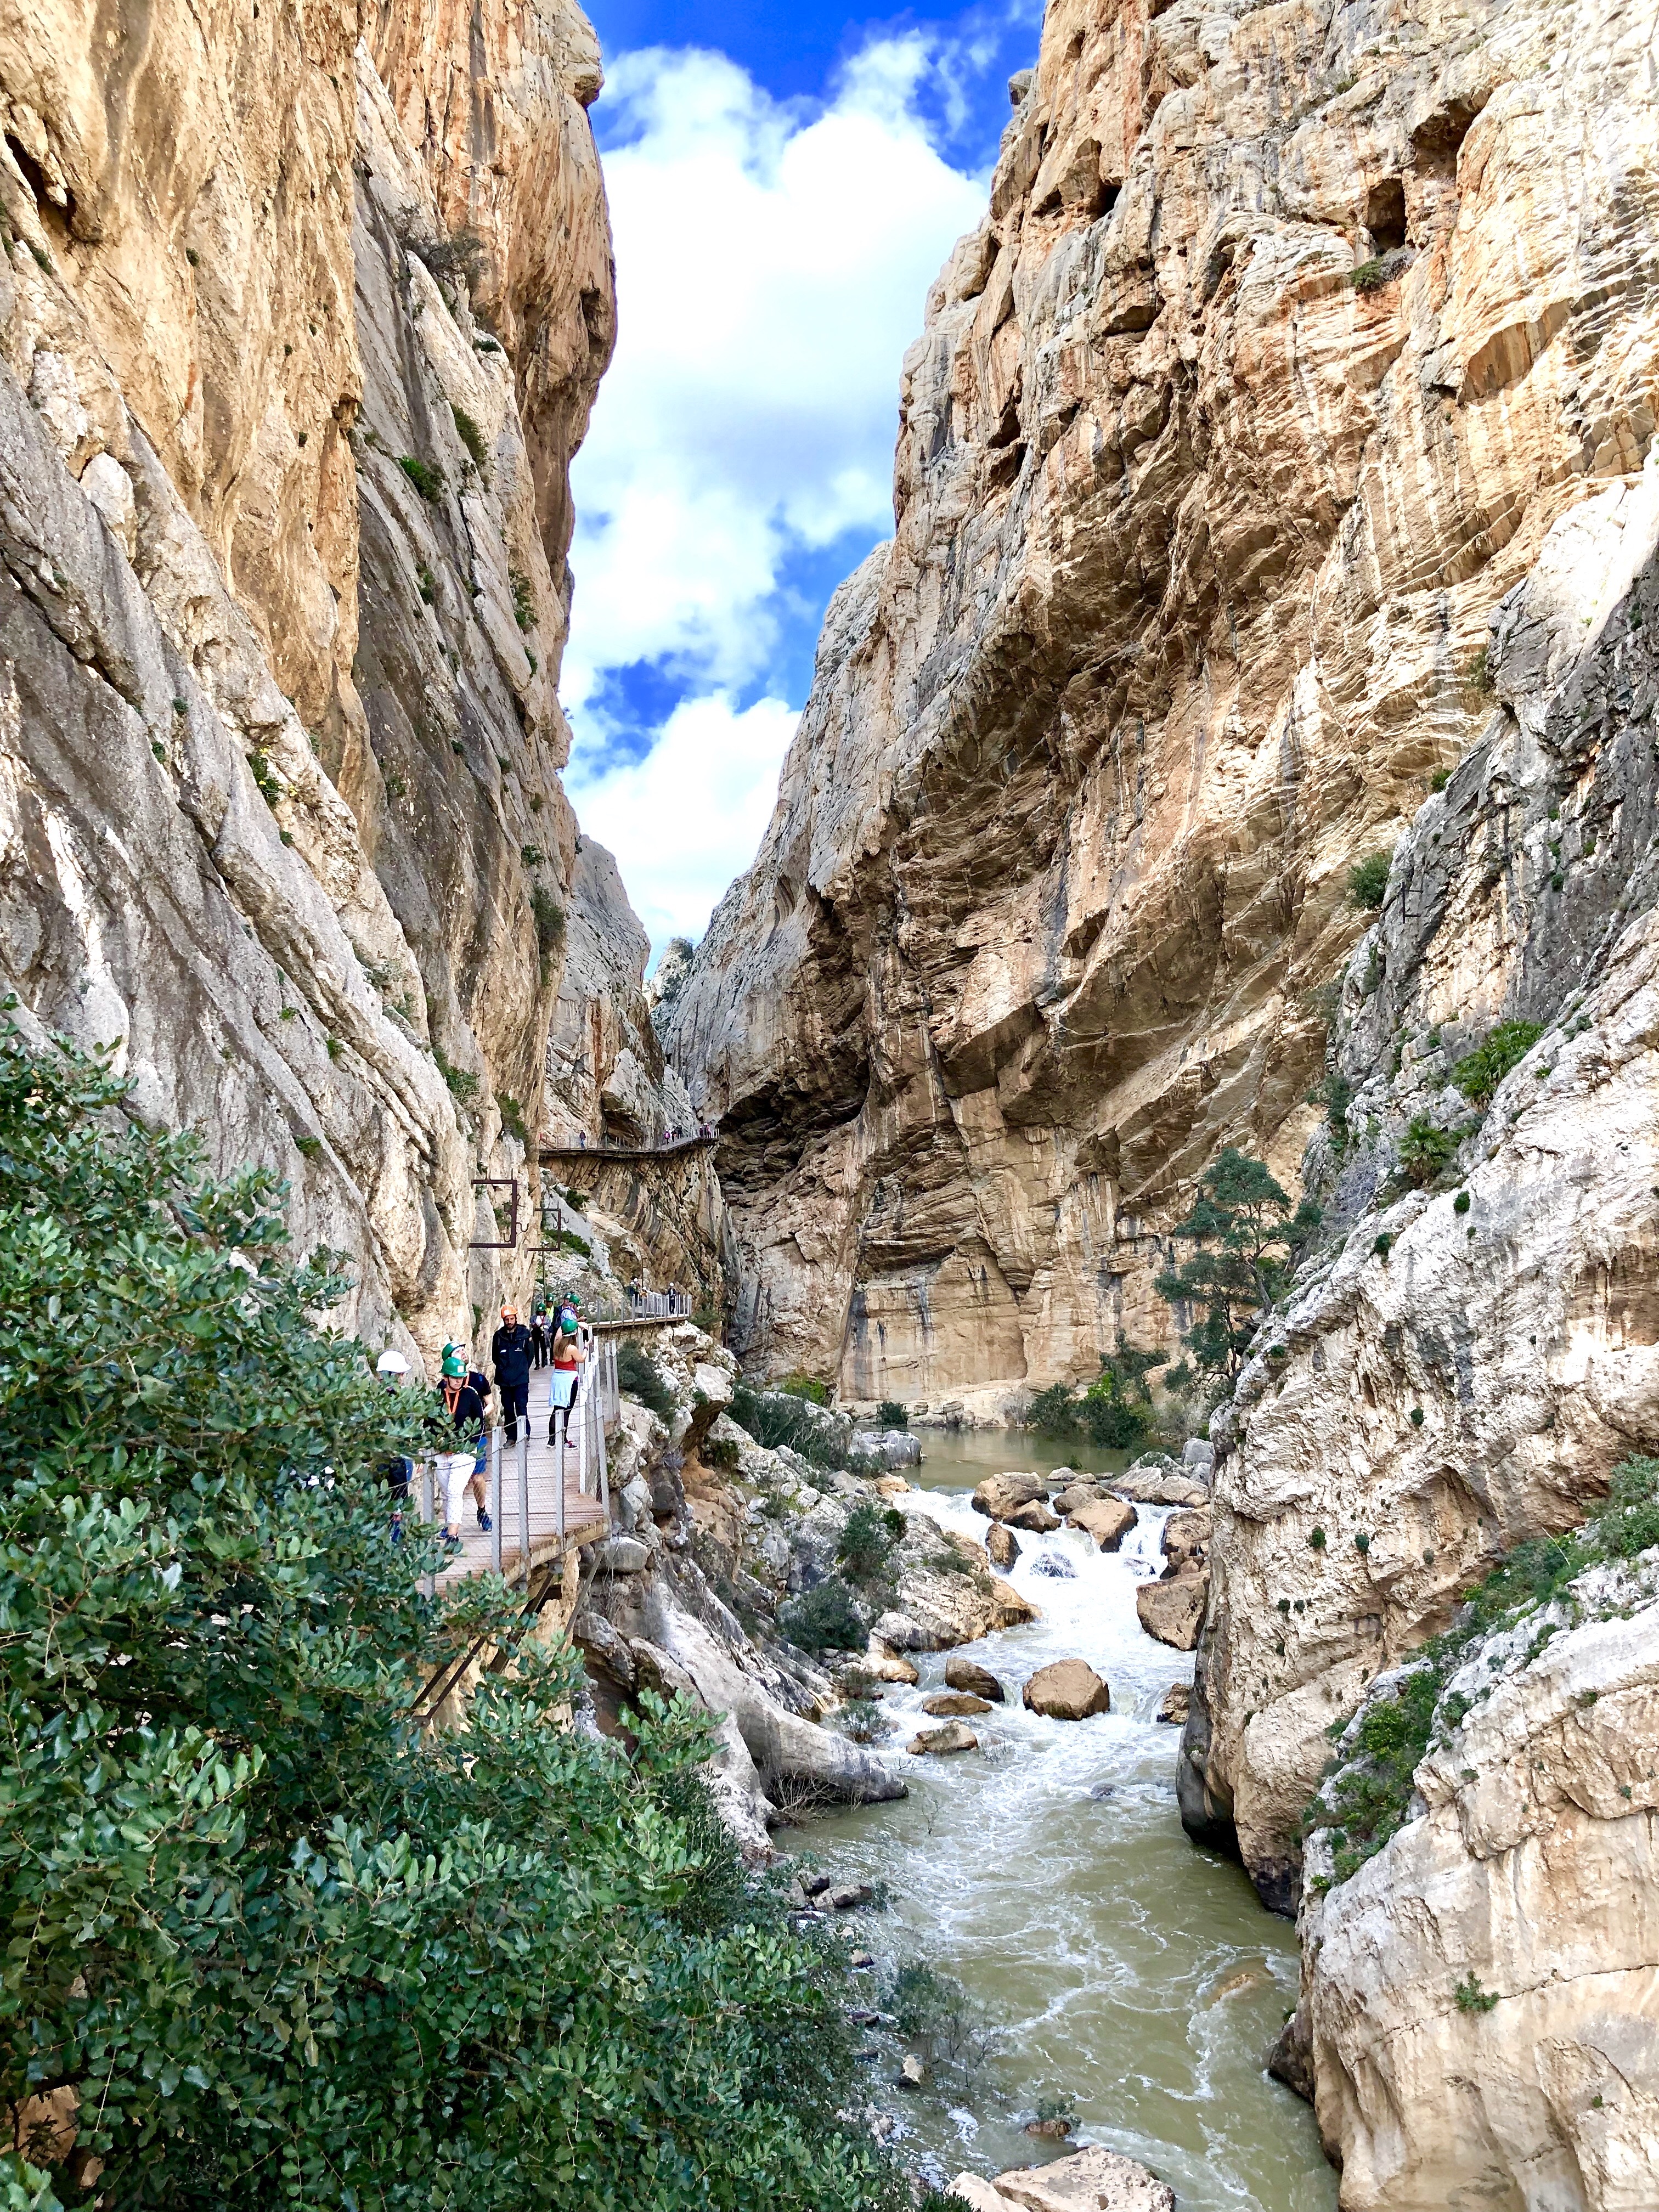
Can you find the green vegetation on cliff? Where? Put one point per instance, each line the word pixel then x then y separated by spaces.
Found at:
pixel 269 1941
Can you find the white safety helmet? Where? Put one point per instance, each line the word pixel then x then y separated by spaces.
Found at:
pixel 392 1362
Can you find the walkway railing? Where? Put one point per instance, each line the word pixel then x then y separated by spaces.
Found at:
pixel 606 1148
pixel 528 1481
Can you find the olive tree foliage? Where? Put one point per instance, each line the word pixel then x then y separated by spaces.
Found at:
pixel 1243 1231
pixel 268 1942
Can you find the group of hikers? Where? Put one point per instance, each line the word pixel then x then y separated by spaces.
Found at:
pixel 459 1422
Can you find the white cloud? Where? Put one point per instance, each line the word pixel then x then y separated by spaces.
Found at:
pixel 689 816
pixel 773 260
pixel 772 266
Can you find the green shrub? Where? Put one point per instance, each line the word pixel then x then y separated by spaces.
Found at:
pixel 1335 1094
pixel 1479 1073
pixel 473 438
pixel 1425 1151
pixel 890 1414
pixel 251 1910
pixel 1368 879
pixel 933 2011
pixel 463 1084
pixel 512 1116
pixel 1054 1413
pixel 862 1719
pixel 869 1540
pixel 779 1418
pixel 1471 1998
pixel 1460 1203
pixel 721 1451
pixel 824 1619
pixel 427 480
pixel 524 605
pixel 639 1374
pixel 1369 277
pixel 550 925
pixel 804 1386
pixel 1245 1235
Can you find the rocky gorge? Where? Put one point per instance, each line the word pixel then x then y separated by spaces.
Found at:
pixel 1276 513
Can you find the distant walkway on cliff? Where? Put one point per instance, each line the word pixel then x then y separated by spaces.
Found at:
pixel 606 1149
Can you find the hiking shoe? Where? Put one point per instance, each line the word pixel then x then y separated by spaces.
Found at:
pixel 451 1543
pixel 485 1521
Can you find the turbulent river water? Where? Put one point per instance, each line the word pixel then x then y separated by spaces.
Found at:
pixel 1130 1974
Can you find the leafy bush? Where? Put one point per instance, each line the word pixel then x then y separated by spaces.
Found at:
pixel 1369 277
pixel 549 925
pixel 1368 879
pixel 473 438
pixel 1366 1802
pixel 804 1386
pixel 777 1419
pixel 869 1540
pixel 935 2010
pixel 512 1116
pixel 824 1619
pixel 1479 1073
pixel 890 1414
pixel 1335 1094
pixel 862 1719
pixel 639 1374
pixel 461 255
pixel 1425 1149
pixel 463 1084
pixel 427 480
pixel 280 1945
pixel 524 602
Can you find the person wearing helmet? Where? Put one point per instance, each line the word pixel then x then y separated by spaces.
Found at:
pixel 568 1353
pixel 460 1414
pixel 392 1368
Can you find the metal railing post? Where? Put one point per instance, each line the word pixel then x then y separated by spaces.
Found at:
pixel 561 1419
pixel 428 1476
pixel 581 1440
pixel 598 1438
pixel 495 1499
pixel 523 1500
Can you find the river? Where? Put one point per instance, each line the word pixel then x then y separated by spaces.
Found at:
pixel 1130 1974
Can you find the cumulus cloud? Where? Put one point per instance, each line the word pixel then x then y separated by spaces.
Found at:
pixel 772 258
pixel 687 818
pixel 772 264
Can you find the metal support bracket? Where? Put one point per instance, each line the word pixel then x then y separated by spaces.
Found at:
pixel 499 1182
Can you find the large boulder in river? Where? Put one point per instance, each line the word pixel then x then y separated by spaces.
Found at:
pixel 1082 1491
pixel 1013 1611
pixel 1177 1703
pixel 1002 1495
pixel 955 1705
pixel 1173 1611
pixel 964 1674
pixel 1187 1539
pixel 1107 1520
pixel 1069 1690
pixel 953 1736
pixel 1163 1484
pixel 1034 1517
pixel 1103 2180
pixel 1001 1546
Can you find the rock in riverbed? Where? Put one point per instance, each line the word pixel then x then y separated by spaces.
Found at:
pixel 953 1736
pixel 1069 1690
pixel 1173 1612
pixel 1001 1546
pixel 1107 1520
pixel 1177 1703
pixel 1056 1565
pixel 954 1704
pixel 1187 1539
pixel 1096 2178
pixel 1034 1517
pixel 964 1674
pixel 1001 1496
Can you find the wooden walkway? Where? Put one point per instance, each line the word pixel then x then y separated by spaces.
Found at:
pixel 586 1517
pixel 590 1152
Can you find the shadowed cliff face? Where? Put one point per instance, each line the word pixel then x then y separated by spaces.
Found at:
pixel 1197 540
pixel 282 525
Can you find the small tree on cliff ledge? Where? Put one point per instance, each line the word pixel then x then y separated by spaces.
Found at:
pixel 1244 1233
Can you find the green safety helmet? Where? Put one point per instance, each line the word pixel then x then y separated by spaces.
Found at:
pixel 567 1323
pixel 453 1367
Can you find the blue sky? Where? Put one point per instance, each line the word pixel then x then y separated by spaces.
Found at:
pixel 784 185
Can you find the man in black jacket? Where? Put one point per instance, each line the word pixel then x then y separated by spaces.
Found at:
pixel 509 1351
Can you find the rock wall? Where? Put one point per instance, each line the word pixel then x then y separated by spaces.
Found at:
pixel 283 526
pixel 1289 334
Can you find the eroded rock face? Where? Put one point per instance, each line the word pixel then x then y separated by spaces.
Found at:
pixel 279 751
pixel 1197 540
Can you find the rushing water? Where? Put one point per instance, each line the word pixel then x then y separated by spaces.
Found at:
pixel 1131 1974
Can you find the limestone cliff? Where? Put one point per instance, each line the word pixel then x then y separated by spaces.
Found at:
pixel 283 522
pixel 1289 334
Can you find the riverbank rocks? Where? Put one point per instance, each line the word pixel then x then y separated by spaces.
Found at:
pixel 1056 1565
pixel 1001 1546
pixel 1012 1609
pixel 1000 1496
pixel 1035 1518
pixel 955 1705
pixel 1160 1485
pixel 892 1485
pixel 1069 1690
pixel 1173 1611
pixel 850 1897
pixel 1076 1495
pixel 1107 1520
pixel 1100 2179
pixel 1177 1703
pixel 961 1673
pixel 1187 1539
pixel 932 1742
pixel 887 1666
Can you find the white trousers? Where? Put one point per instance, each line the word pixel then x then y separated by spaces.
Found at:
pixel 454 1472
